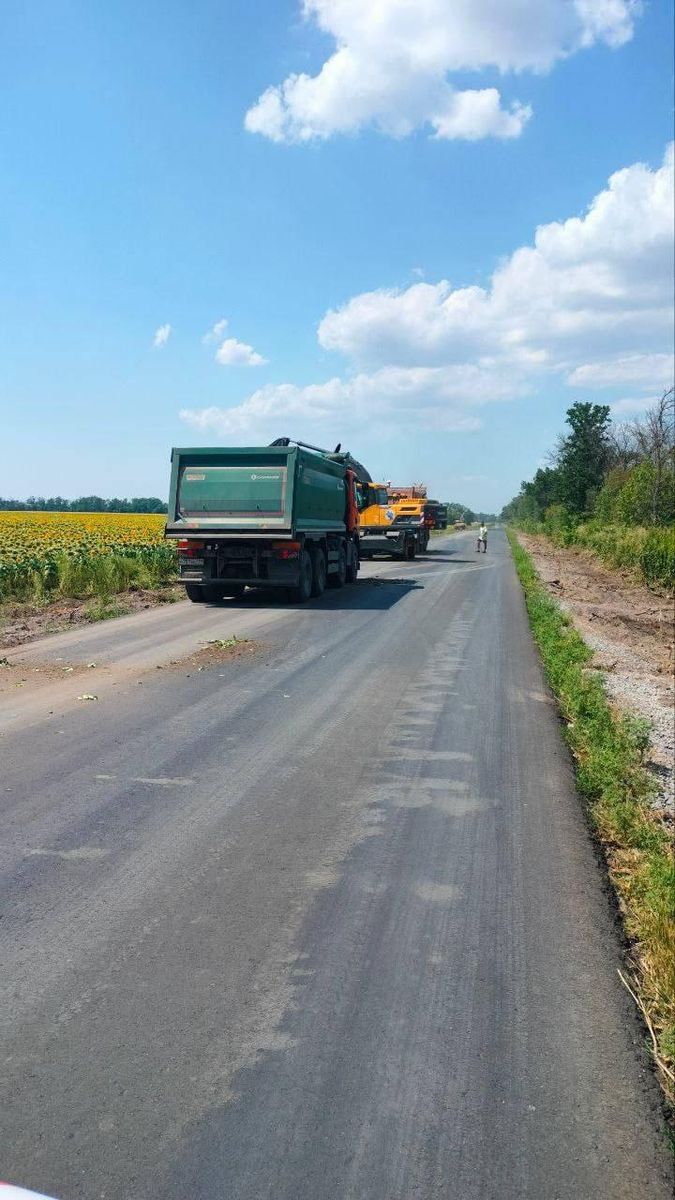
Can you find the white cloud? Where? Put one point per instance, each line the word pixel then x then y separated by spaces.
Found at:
pixel 232 353
pixel 392 60
pixel 589 287
pixel 416 399
pixel 589 303
pixel 642 370
pixel 632 405
pixel 161 336
pixel 609 21
pixel 475 114
pixel 215 334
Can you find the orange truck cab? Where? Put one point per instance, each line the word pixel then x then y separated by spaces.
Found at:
pixel 383 529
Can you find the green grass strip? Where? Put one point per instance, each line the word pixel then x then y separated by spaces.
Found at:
pixel 609 756
pixel 648 553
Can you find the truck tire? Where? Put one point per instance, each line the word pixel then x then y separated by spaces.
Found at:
pixel 303 591
pixel 339 578
pixel 213 592
pixel 318 573
pixel 409 551
pixel 195 593
pixel 353 565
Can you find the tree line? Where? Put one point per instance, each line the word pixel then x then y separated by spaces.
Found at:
pixel 615 473
pixel 139 504
pixel 462 512
pixel 152 504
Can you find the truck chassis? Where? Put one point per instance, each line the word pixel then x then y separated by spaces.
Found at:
pixel 403 539
pixel 301 567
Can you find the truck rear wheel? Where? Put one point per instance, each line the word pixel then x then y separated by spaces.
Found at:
pixel 195 593
pixel 214 592
pixel 339 578
pixel 318 573
pixel 409 552
pixel 303 591
pixel 353 566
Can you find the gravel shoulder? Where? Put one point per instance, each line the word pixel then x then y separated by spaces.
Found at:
pixel 630 628
pixel 21 623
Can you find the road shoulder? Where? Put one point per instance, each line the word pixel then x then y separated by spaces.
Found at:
pixel 635 835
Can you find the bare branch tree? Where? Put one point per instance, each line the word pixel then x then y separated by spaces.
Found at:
pixel 624 449
pixel 654 437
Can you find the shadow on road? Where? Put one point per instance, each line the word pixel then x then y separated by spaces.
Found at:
pixel 378 594
pixel 447 558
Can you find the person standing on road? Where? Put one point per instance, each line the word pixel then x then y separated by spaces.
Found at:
pixel 482 537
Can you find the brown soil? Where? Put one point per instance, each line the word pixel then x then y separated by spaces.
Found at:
pixel 630 628
pixel 608 602
pixel 16 675
pixel 52 683
pixel 212 654
pixel 22 623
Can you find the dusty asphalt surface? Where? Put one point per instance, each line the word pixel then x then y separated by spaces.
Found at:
pixel 323 923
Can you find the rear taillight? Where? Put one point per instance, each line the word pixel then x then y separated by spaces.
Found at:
pixel 285 549
pixel 188 547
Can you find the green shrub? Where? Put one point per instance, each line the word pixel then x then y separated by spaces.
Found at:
pixel 558 519
pixel 644 499
pixel 648 552
pixel 80 576
pixel 605 505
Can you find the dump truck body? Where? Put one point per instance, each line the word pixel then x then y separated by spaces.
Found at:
pixel 260 517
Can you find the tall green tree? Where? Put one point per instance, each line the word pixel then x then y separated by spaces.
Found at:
pixel 583 456
pixel 544 488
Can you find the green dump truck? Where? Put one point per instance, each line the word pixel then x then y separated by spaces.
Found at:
pixel 282 516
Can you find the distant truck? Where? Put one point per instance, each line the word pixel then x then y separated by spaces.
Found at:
pixel 394 527
pixel 283 516
pixel 413 500
pixel 436 514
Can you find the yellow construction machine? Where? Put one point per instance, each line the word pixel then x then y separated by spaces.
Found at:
pixel 387 526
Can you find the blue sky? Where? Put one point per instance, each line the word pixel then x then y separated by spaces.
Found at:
pixel 134 196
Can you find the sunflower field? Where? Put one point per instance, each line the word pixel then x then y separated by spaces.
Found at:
pixel 44 554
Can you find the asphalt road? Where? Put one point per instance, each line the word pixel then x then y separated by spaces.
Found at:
pixel 321 923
